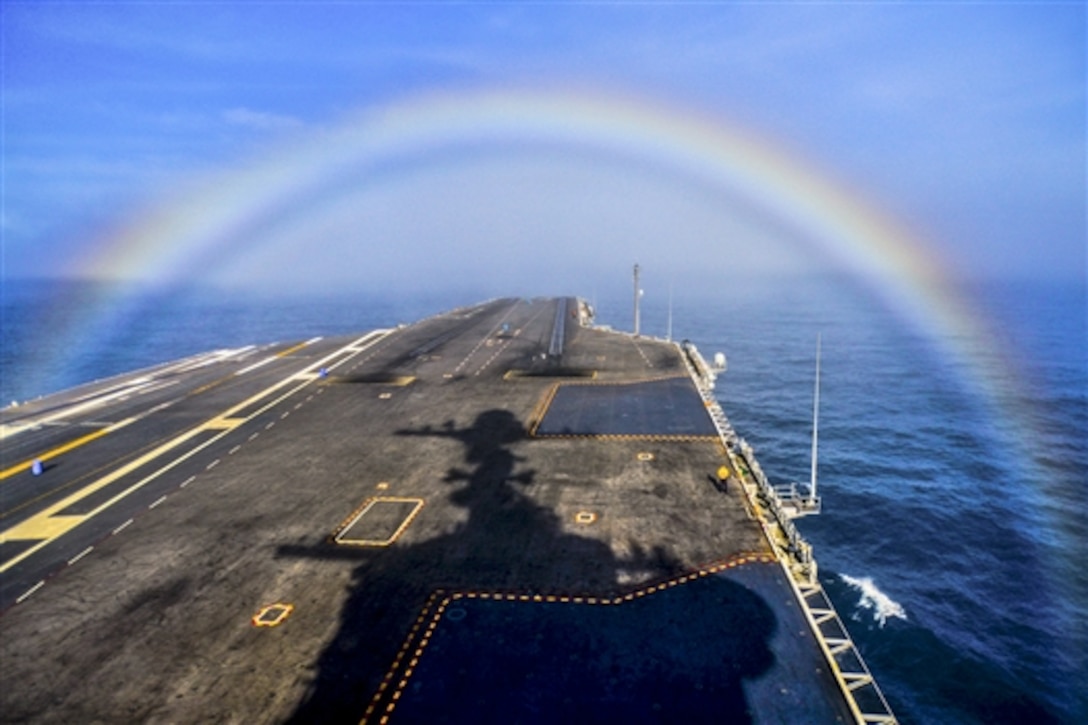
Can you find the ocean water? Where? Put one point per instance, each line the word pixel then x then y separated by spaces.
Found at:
pixel 952 539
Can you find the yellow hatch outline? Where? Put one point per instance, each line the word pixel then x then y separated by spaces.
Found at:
pixel 540 411
pixel 338 535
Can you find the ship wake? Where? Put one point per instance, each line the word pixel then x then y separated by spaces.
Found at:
pixel 872 599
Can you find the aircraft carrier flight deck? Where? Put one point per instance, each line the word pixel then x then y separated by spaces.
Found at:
pixel 497 514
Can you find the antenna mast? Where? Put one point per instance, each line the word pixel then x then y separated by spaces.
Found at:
pixel 668 332
pixel 638 293
pixel 815 425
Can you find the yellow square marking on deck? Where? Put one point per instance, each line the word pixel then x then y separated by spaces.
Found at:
pixel 379 521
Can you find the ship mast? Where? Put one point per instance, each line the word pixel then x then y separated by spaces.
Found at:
pixel 668 331
pixel 815 426
pixel 638 293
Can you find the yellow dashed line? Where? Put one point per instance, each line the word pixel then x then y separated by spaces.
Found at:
pixel 662 437
pixel 638 381
pixel 400 654
pixel 542 408
pixel 435 614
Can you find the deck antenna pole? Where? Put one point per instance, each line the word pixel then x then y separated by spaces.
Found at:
pixel 638 293
pixel 668 332
pixel 815 425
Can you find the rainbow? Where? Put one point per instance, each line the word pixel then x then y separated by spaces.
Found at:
pixel 234 211
pixel 228 214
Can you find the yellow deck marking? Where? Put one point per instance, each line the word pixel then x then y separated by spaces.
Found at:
pixel 53 453
pixel 433 615
pixel 62 449
pixel 223 423
pixel 44 527
pixel 296 348
pixel 338 535
pixel 272 615
pixel 514 374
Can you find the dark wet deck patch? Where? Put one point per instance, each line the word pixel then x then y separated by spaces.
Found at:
pixel 714 645
pixel 668 407
pixel 679 655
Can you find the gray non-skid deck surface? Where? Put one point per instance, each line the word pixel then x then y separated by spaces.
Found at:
pixel 669 407
pixel 141 611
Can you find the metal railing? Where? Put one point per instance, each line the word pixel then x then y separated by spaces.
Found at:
pixel 859 688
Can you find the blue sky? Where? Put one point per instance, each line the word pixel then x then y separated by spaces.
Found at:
pixel 966 121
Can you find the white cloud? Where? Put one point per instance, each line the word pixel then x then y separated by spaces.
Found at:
pixel 260 120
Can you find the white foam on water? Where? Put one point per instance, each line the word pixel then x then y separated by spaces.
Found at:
pixel 873 599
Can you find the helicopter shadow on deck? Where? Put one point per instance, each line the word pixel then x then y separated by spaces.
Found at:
pixel 684 652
